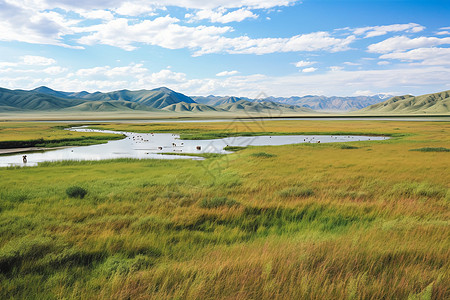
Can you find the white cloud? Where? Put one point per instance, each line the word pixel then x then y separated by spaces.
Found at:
pixel 167 33
pixel 222 16
pixel 373 31
pixel 55 70
pixel 401 43
pixel 227 73
pixel 162 31
pixel 309 70
pixel 96 14
pixel 383 63
pixel 37 60
pixel 317 41
pixel 445 32
pixel 349 63
pixel 135 9
pixel 427 56
pixel 149 5
pixel 303 63
pixel 23 24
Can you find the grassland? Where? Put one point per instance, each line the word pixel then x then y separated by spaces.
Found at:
pixel 21 135
pixel 368 220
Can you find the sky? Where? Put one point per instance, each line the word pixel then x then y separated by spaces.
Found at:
pixel 227 47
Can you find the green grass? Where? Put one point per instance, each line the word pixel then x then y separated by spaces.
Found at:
pixel 295 222
pixel 262 155
pixel 432 149
pixel 234 148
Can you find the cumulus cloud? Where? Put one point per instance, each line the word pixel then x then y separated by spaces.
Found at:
pixel 373 31
pixel 151 4
pixel 162 31
pixel 317 41
pixel 96 14
pixel 29 60
pixel 426 56
pixel 37 60
pixel 303 63
pixel 222 16
pixel 227 73
pixel 24 24
pixel 135 9
pixel 309 70
pixel 401 43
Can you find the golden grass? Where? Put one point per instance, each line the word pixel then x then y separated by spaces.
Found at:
pixel 311 221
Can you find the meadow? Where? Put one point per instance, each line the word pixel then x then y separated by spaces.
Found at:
pixel 358 220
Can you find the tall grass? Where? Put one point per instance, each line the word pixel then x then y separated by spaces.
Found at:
pixel 309 222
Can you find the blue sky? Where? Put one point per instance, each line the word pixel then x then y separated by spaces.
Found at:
pixel 227 47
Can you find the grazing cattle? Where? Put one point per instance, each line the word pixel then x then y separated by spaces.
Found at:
pixel 24 158
pixel 199 147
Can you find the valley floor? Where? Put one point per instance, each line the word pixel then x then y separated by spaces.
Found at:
pixel 360 220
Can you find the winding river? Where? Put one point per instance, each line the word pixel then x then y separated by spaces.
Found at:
pixel 154 146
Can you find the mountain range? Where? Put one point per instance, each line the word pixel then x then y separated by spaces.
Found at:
pixel 164 99
pixel 437 103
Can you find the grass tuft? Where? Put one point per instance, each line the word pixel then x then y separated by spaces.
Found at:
pixel 431 149
pixel 263 155
pixel 76 192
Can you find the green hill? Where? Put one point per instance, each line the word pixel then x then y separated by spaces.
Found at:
pixel 118 105
pixel 156 98
pixel 192 107
pixel 31 100
pixel 437 103
pixel 262 106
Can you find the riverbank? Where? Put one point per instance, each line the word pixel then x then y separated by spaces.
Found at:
pixel 29 149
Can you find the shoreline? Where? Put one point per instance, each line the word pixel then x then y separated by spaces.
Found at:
pixel 30 149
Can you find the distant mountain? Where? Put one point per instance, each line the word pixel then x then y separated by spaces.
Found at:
pixel 249 106
pixel 437 103
pixel 193 107
pixel 115 105
pixel 216 101
pixel 156 98
pixel 18 100
pixel 323 103
pixel 164 99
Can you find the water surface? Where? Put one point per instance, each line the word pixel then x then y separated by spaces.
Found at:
pixel 153 146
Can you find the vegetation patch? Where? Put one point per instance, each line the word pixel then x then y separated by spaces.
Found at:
pixel 300 192
pixel 76 192
pixel 431 149
pixel 348 147
pixel 263 155
pixel 234 148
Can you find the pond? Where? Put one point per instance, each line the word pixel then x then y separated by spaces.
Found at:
pixel 156 145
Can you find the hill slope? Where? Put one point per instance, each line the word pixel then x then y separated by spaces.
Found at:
pixel 437 103
pixel 261 106
pixel 192 107
pixel 32 100
pixel 156 98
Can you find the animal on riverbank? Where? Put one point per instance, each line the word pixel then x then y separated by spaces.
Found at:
pixel 24 159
